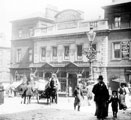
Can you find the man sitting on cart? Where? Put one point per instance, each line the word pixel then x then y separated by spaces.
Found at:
pixel 54 83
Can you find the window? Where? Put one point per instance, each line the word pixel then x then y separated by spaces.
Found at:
pixel 54 51
pixel 20 33
pixel 130 49
pixel 43 52
pixel 66 52
pixel 30 55
pixel 79 50
pixel 19 55
pixel 117 21
pixel 94 46
pixel 116 50
pixel 31 31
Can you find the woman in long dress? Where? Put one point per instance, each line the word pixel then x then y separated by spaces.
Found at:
pixel 122 94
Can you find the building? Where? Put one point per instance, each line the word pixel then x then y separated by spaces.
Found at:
pixel 56 45
pixel 118 14
pixel 4 61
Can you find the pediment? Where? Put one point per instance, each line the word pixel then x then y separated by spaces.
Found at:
pixel 72 65
pixel 68 15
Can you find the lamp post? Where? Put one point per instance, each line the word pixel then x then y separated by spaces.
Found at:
pixel 90 52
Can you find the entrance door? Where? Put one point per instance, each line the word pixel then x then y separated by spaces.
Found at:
pixel 72 82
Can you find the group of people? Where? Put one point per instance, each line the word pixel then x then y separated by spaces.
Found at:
pixel 102 98
pixel 27 89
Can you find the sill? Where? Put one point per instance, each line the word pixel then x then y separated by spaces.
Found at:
pixel 117 59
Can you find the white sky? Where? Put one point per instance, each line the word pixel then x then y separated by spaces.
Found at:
pixel 14 9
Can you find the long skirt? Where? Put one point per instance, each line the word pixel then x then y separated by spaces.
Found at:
pixel 122 103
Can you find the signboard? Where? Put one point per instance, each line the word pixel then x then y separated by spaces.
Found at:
pixel 125 49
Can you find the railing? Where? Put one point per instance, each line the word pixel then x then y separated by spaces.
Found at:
pixel 68 27
pixel 63 28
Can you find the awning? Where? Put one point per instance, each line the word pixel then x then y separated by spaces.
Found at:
pixel 36 65
pixel 82 64
pixel 20 66
pixel 119 80
pixel 16 84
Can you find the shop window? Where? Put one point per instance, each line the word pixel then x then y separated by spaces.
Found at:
pixel 18 55
pixel 117 22
pixel 116 50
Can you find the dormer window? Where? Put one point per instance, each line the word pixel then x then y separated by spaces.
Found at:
pixel 117 22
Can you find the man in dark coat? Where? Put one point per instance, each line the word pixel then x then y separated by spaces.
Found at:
pixel 101 97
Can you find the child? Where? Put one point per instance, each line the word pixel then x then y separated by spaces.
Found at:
pixel 114 100
pixel 78 94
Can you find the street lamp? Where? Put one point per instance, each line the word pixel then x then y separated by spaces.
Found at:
pixel 90 52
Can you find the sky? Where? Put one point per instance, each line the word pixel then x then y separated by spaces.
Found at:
pixel 15 9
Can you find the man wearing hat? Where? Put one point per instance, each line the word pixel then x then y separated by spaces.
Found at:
pixel 101 96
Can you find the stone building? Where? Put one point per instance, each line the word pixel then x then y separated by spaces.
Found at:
pixel 118 14
pixel 56 45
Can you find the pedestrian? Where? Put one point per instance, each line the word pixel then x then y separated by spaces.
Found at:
pixel 101 96
pixel 78 94
pixel 54 86
pixel 114 100
pixel 122 93
pixel 89 94
pixel 29 92
pixel 23 90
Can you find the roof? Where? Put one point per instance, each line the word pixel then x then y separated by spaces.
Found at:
pixel 37 15
pixel 117 3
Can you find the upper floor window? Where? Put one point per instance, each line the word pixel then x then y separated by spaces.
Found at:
pixel 31 31
pixel 54 51
pixel 66 52
pixel 20 33
pixel 79 50
pixel 130 49
pixel 19 55
pixel 43 52
pixel 117 21
pixel 116 50
pixel 30 53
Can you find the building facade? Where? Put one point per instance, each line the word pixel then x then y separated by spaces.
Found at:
pixel 57 45
pixel 119 45
pixel 4 60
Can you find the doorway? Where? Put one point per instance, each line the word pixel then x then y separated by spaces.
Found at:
pixel 72 82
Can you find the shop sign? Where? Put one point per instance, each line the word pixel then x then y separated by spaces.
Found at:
pixel 125 49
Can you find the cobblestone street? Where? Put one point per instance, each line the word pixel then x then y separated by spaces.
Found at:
pixel 13 110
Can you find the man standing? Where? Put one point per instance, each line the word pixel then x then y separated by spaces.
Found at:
pixel 101 97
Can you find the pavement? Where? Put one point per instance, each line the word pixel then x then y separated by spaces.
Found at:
pixel 12 109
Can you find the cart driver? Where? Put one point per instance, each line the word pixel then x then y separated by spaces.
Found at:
pixel 53 82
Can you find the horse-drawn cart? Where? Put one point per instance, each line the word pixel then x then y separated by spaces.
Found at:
pixel 43 91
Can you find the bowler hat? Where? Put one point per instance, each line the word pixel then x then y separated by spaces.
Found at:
pixel 100 77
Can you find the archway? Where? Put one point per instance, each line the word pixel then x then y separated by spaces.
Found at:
pixel 72 82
